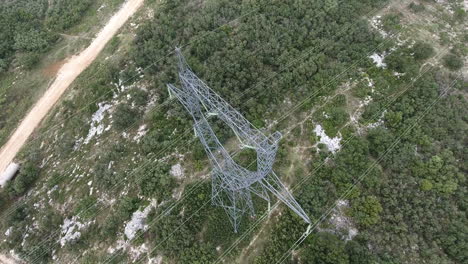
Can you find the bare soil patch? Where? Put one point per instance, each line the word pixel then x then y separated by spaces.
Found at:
pixel 52 69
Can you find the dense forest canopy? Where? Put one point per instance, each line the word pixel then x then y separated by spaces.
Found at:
pixel 29 27
pixel 241 57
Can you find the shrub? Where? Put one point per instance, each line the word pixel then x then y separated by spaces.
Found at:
pixel 416 8
pixel 154 180
pixel 3 65
pixel 26 177
pixel 110 227
pixel 422 50
pixel 453 62
pixel 18 215
pixel 125 116
pixel 391 22
pixel 86 208
pixel 29 59
pixel 460 14
pixel 127 206
pixel 139 96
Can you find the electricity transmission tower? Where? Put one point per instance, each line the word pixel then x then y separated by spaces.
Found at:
pixel 232 184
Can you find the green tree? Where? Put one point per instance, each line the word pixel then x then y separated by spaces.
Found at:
pixel 366 210
pixel 65 13
pixel 325 248
pixel 358 253
pixel 380 140
pixel 401 61
pixel 198 254
pixel 426 185
pixel 32 40
pixel 455 242
pixel 393 119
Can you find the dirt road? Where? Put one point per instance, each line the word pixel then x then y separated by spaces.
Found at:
pixel 66 75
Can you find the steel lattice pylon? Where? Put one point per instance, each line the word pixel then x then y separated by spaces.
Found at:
pixel 232 184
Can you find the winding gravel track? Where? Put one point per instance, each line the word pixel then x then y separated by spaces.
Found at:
pixel 66 75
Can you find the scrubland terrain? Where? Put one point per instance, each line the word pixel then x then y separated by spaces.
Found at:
pixel 370 97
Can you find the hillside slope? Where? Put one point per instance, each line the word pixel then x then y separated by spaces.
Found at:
pixel 370 97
